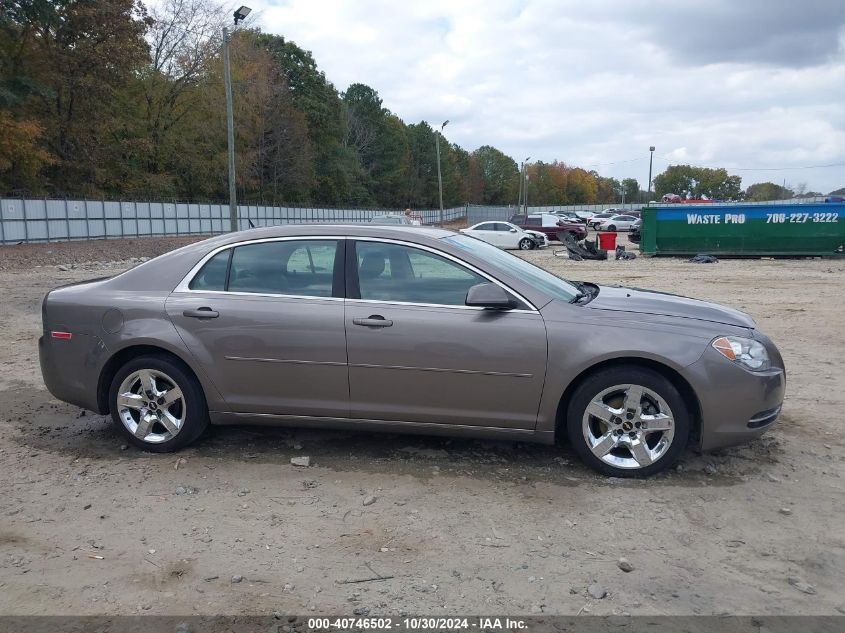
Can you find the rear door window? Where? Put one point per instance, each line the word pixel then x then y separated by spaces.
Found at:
pixel 289 267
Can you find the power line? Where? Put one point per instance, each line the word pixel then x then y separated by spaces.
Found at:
pixel 677 162
pixel 617 162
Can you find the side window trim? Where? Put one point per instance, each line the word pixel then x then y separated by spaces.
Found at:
pixel 338 272
pixel 352 286
pixel 228 269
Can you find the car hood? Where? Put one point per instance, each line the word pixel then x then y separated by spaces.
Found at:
pixel 640 301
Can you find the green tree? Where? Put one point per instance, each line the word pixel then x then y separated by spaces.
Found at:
pixel 631 189
pixel 762 191
pixel 696 182
pixel 499 175
pixel 335 165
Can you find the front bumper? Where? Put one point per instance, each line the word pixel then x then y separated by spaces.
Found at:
pixel 71 368
pixel 737 405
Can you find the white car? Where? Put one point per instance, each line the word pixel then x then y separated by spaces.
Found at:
pixel 507 235
pixel 618 223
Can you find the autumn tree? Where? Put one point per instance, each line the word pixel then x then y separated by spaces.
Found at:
pixel 81 56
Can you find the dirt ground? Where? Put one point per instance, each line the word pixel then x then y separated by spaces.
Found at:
pixel 90 526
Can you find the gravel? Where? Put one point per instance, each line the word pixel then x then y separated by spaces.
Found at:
pixel 66 256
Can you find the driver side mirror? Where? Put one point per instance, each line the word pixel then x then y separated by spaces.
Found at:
pixel 490 296
pixel 512 230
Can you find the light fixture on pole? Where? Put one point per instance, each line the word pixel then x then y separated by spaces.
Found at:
pixel 650 159
pixel 239 15
pixel 439 176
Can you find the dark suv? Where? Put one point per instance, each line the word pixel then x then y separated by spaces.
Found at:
pixel 550 225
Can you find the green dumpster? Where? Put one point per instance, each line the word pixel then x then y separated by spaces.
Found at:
pixel 812 229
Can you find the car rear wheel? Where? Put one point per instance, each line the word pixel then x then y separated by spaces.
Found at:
pixel 526 244
pixel 628 422
pixel 157 404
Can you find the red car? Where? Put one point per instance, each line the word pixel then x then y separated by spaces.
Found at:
pixel 549 224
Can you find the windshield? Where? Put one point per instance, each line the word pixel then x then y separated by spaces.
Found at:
pixel 543 281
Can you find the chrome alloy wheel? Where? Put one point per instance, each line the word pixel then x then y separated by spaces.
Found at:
pixel 151 406
pixel 628 426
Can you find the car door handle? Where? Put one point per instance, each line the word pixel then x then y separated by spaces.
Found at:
pixel 201 313
pixel 374 320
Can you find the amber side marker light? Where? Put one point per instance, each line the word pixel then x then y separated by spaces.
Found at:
pixel 723 346
pixel 65 336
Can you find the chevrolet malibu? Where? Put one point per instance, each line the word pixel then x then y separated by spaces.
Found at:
pixel 408 330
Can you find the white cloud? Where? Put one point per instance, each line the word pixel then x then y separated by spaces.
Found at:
pixel 752 84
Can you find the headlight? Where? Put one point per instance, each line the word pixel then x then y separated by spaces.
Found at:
pixel 745 351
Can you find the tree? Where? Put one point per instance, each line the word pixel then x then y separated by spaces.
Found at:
pixel 499 175
pixel 698 182
pixel 21 156
pixel 82 56
pixel 184 40
pixel 312 94
pixel 631 189
pixel 608 190
pixel 762 191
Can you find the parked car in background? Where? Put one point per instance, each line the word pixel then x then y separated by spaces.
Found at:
pixel 598 218
pixel 672 198
pixel 618 223
pixel 391 218
pixel 549 224
pixel 404 329
pixel 508 236
pixel 569 217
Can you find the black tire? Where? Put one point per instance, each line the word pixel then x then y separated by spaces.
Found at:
pixel 605 379
pixel 526 244
pixel 196 414
pixel 612 227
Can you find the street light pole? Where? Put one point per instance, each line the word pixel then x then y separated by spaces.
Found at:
pixel 240 14
pixel 525 186
pixel 230 125
pixel 439 175
pixel 650 159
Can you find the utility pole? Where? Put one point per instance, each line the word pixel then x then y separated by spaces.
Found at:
pixel 525 186
pixel 439 176
pixel 650 159
pixel 240 14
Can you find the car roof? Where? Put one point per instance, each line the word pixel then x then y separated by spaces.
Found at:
pixel 171 267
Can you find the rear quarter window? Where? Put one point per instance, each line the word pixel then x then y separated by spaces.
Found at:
pixel 212 276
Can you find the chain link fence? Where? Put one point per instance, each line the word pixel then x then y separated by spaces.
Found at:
pixel 27 220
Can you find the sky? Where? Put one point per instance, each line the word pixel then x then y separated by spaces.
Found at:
pixel 755 86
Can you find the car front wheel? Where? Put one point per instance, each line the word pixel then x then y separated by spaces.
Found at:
pixel 612 227
pixel 157 404
pixel 526 244
pixel 628 422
